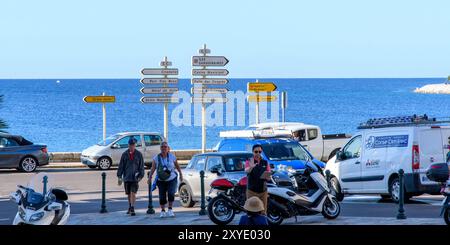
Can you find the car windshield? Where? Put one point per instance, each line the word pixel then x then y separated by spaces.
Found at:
pixel 285 151
pixel 236 163
pixel 108 140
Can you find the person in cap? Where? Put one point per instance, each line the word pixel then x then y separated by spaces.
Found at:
pixel 255 208
pixel 131 171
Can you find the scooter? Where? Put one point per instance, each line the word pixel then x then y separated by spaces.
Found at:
pixel 439 172
pixel 285 203
pixel 46 208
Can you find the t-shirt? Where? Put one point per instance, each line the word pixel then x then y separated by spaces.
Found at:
pixel 169 162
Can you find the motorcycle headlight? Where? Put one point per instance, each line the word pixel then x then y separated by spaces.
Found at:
pixel 282 167
pixel 36 217
pixel 22 213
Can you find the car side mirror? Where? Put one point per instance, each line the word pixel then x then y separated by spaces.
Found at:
pixel 216 170
pixel 55 206
pixel 115 146
pixel 340 155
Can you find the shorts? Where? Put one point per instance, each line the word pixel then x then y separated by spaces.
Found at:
pixel 131 187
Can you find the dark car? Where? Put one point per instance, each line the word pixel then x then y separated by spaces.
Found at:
pixel 17 152
pixel 215 164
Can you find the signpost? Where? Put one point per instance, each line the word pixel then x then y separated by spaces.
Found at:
pixel 101 99
pixel 283 105
pixel 199 92
pixel 165 92
pixel 258 87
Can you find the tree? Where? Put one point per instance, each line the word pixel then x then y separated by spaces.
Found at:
pixel 3 124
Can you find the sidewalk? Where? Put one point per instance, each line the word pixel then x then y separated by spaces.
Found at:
pixel 185 216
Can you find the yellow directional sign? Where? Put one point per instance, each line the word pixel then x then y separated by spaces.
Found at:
pixel 261 87
pixel 99 99
pixel 257 98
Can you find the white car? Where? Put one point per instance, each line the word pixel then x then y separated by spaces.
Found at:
pixel 108 152
pixel 321 146
pixel 369 163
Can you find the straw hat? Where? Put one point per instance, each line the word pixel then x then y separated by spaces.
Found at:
pixel 254 204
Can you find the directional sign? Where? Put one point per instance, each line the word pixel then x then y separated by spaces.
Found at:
pixel 209 90
pixel 209 61
pixel 261 87
pixel 208 100
pixel 159 100
pixel 209 72
pixel 99 99
pixel 165 63
pixel 204 51
pixel 159 80
pixel 159 90
pixel 257 98
pixel 159 71
pixel 209 81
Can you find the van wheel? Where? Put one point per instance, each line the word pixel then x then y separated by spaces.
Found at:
pixel 394 191
pixel 104 163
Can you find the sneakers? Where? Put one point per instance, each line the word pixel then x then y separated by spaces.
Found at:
pixel 132 213
pixel 129 209
pixel 170 213
pixel 163 214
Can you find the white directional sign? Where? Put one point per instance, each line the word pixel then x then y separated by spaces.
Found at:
pixel 204 51
pixel 159 71
pixel 209 81
pixel 209 72
pixel 208 100
pixel 167 90
pixel 209 61
pixel 159 80
pixel 165 63
pixel 209 90
pixel 159 100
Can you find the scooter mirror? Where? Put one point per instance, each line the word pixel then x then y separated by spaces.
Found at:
pixel 15 197
pixel 55 206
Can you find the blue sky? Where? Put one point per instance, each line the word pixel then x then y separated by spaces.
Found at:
pixel 262 39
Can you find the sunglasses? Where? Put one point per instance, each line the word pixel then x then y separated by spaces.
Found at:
pixel 257 152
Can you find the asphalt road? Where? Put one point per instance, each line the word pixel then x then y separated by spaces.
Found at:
pixel 84 189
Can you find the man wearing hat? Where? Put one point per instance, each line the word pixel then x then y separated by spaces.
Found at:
pixel 254 207
pixel 131 171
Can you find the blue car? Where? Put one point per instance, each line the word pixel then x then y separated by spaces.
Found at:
pixel 280 153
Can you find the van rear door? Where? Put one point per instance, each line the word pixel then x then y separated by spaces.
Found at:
pixel 430 150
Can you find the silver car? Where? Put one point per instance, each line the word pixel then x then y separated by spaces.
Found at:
pixel 215 164
pixel 17 152
pixel 107 153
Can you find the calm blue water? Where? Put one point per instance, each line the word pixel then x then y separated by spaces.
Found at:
pixel 54 113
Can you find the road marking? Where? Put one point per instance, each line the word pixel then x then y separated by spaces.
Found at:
pixel 4 219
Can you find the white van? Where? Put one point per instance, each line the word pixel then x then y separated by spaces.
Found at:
pixel 370 161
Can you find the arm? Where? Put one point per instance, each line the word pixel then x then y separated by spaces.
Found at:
pixel 177 166
pixel 152 171
pixel 141 167
pixel 121 167
pixel 249 165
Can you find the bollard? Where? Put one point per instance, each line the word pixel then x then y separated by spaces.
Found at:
pixel 103 208
pixel 44 181
pixel 202 189
pixel 401 198
pixel 150 209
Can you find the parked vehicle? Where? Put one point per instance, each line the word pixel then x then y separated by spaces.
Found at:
pixel 228 165
pixel 107 153
pixel 283 201
pixel 439 172
pixel 17 152
pixel 279 151
pixel 321 146
pixel 370 161
pixel 40 208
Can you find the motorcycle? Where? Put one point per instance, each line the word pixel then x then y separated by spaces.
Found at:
pixel 40 208
pixel 439 172
pixel 284 201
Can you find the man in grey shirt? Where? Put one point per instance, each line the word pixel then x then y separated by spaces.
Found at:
pixel 131 171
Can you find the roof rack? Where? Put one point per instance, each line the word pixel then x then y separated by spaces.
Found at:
pixel 399 121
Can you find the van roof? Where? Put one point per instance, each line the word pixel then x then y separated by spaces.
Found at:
pixel 400 121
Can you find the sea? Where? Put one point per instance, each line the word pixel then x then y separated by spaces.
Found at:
pixel 52 111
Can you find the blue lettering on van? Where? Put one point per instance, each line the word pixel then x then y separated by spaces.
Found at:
pixel 387 141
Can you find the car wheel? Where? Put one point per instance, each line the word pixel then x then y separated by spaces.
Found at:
pixel 186 197
pixel 28 164
pixel 104 163
pixel 394 191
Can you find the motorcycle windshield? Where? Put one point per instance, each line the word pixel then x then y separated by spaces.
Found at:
pixel 36 195
pixel 39 182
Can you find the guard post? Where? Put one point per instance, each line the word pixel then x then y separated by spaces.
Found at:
pixel 103 208
pixel 202 188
